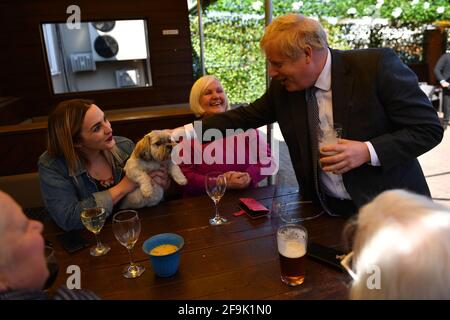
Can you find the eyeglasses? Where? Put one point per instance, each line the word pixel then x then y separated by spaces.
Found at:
pixel 347 263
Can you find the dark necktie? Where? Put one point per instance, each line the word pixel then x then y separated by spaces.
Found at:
pixel 314 129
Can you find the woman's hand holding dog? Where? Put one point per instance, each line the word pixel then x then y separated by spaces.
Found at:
pixel 124 187
pixel 161 177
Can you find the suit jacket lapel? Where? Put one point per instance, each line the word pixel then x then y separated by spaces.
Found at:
pixel 342 87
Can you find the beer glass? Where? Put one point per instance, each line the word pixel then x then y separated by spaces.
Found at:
pixel 292 240
pixel 52 266
pixel 94 219
pixel 329 136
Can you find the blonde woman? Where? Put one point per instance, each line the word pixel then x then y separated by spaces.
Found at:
pixel 401 248
pixel 238 157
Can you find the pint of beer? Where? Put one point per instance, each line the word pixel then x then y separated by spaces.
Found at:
pixel 292 243
pixel 330 135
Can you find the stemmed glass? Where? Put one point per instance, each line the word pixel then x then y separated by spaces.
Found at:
pixel 52 266
pixel 216 184
pixel 94 219
pixel 127 227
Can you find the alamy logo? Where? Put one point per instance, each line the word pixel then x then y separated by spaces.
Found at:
pixel 246 147
pixel 74 20
pixel 374 280
pixel 74 280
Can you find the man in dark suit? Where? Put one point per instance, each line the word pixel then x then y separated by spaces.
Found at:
pixel 442 72
pixel 387 120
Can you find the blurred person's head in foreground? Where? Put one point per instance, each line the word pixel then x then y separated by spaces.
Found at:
pixel 406 238
pixel 22 250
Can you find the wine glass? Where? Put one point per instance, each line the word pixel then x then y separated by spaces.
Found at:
pixel 127 227
pixel 52 266
pixel 216 184
pixel 94 219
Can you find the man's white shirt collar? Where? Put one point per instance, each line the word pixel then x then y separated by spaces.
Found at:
pixel 324 80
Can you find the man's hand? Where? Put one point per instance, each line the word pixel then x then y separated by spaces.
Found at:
pixel 445 84
pixel 237 180
pixel 350 154
pixel 177 135
pixel 160 177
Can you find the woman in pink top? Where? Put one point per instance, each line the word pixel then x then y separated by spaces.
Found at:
pixel 242 157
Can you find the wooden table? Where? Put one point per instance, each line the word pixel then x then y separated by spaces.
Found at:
pixel 238 260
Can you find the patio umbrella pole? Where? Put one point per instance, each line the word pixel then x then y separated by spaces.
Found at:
pixel 201 36
pixel 269 127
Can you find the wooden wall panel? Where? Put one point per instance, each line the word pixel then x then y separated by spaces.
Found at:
pixel 22 150
pixel 24 66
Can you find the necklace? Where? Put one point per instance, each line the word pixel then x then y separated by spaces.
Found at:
pixel 101 169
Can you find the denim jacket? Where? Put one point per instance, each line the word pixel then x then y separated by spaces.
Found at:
pixel 65 195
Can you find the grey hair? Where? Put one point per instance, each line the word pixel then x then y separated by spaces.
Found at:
pixel 406 236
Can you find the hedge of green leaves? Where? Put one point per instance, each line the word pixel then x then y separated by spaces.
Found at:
pixel 232 30
pixel 232 54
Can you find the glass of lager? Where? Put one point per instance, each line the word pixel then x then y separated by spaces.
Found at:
pixel 331 135
pixel 292 240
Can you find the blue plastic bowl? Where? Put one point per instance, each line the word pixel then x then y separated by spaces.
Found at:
pixel 164 266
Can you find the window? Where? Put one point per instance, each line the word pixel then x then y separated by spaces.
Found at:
pixel 100 55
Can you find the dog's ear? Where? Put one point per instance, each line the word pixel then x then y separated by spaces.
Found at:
pixel 146 152
pixel 152 135
pixel 138 148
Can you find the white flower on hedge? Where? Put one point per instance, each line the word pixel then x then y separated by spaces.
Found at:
pixel 414 2
pixel 426 5
pixel 257 5
pixel 332 20
pixel 397 12
pixel 440 10
pixel 379 4
pixel 365 21
pixel 297 5
pixel 351 11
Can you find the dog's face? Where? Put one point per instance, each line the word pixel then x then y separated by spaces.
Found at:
pixel 154 146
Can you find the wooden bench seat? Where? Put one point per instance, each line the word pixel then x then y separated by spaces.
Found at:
pixel 24 188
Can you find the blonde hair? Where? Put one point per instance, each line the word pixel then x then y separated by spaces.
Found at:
pixel 197 91
pixel 64 128
pixel 292 33
pixel 407 237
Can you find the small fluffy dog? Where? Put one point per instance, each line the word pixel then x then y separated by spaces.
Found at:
pixel 150 153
